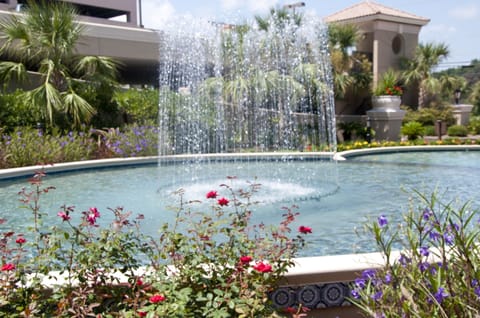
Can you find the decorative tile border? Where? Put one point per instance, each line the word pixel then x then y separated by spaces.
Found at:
pixel 313 296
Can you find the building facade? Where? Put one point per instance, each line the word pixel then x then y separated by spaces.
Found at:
pixel 112 28
pixel 388 35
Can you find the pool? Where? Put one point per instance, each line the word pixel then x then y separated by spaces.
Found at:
pixel 334 198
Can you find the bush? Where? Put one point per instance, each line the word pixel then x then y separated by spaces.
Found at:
pixel 211 262
pixel 14 112
pixel 457 131
pixel 429 131
pixel 139 105
pixel 28 146
pixel 429 116
pixel 436 273
pixel 412 130
pixel 474 125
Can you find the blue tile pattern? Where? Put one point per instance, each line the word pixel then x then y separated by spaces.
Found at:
pixel 313 296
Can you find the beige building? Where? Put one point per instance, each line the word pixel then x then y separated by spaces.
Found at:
pixel 113 28
pixel 387 35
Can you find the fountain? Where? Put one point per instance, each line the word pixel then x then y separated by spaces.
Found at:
pixel 236 93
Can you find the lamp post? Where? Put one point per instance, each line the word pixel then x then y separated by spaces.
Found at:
pixel 457 95
pixel 294 5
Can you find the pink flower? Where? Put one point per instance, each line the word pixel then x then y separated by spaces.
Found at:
pixel 95 212
pixel 91 218
pixel 20 240
pixel 7 267
pixel 245 259
pixel 212 194
pixel 262 267
pixel 92 215
pixel 63 215
pixel 157 298
pixel 305 229
pixel 223 201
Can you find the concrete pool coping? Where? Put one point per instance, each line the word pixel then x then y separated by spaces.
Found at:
pixel 321 281
pixel 12 173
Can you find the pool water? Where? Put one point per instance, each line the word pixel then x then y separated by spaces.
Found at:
pixel 334 198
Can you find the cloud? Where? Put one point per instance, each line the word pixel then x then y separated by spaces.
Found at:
pixel 157 13
pixel 465 12
pixel 250 5
pixel 436 33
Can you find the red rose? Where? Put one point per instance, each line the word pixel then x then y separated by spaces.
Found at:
pixel 262 267
pixel 20 240
pixel 305 229
pixel 212 194
pixel 8 267
pixel 245 259
pixel 223 201
pixel 157 298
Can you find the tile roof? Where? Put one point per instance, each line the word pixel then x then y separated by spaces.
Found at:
pixel 371 9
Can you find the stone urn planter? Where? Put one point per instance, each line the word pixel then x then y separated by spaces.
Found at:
pixel 386 102
pixel 386 117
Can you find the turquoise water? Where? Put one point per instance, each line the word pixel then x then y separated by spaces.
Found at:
pixel 335 199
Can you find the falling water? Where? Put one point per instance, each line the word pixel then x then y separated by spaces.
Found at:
pixel 250 88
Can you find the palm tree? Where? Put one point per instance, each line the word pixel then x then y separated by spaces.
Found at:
pixel 419 69
pixel 350 72
pixel 43 40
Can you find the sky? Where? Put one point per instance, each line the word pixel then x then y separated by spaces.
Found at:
pixel 453 22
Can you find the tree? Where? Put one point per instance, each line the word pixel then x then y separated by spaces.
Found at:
pixel 419 69
pixel 349 72
pixel 43 40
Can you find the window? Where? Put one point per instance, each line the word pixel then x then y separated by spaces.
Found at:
pixel 397 44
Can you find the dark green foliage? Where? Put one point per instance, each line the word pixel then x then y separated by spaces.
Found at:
pixel 474 125
pixel 138 105
pixel 413 130
pixel 15 112
pixel 429 116
pixel 457 131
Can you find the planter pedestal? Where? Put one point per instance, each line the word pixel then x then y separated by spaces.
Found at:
pixel 461 112
pixel 386 117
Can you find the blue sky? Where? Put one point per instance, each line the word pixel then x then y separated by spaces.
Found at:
pixel 453 22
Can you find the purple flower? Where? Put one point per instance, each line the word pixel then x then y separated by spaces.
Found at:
pixel 388 278
pixel 423 266
pixel 424 251
pixel 377 296
pixel 382 220
pixel 449 238
pixel 355 294
pixel 360 282
pixel 427 214
pixel 404 260
pixel 440 295
pixel 369 274
pixel 434 235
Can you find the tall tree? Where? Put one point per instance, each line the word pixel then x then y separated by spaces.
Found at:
pixel 419 69
pixel 42 39
pixel 348 71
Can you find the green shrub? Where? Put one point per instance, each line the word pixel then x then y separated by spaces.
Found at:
pixel 412 130
pixel 28 146
pixel 139 105
pixel 429 131
pixel 14 112
pixel 457 131
pixel 429 116
pixel 474 125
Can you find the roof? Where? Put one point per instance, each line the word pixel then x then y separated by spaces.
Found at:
pixel 370 10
